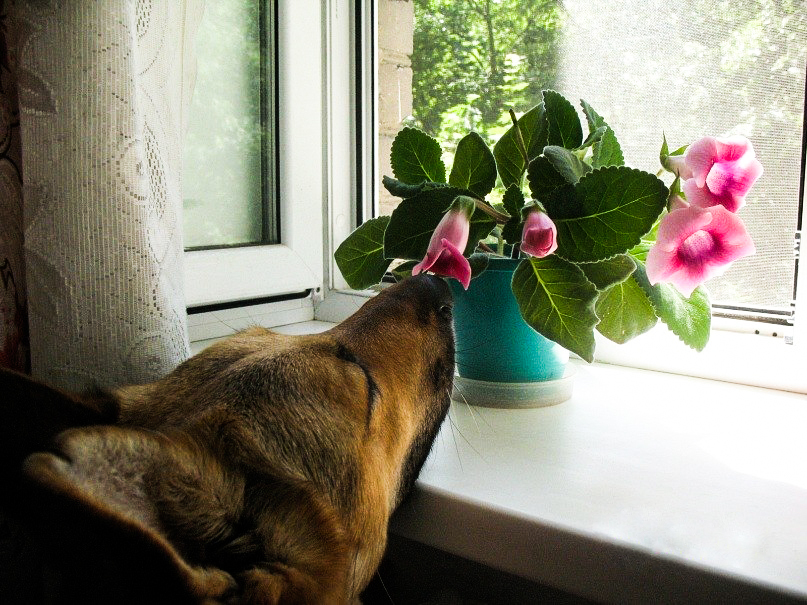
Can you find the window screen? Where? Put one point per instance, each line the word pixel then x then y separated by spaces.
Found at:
pixel 686 69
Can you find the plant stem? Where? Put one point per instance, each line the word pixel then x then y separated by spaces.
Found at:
pixel 492 212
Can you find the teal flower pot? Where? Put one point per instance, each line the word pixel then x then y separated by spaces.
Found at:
pixel 494 344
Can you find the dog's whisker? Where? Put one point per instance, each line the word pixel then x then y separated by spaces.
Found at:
pixel 454 431
pixel 384 586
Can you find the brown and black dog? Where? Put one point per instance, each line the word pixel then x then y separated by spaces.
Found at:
pixel 262 470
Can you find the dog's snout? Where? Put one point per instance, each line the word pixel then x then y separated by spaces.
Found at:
pixel 437 289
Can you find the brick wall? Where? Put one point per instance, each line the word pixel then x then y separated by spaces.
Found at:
pixel 395 29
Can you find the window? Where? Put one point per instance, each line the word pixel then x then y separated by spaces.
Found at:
pixel 293 266
pixel 685 69
pixel 229 156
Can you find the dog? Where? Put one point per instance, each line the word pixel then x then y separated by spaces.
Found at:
pixel 262 470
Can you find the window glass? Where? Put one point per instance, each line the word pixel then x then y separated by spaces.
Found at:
pixel 227 156
pixel 686 69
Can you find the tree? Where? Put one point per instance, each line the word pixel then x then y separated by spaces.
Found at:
pixel 474 58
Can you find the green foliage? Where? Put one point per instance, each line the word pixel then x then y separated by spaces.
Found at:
pixel 606 216
pixel 528 134
pixel 474 167
pixel 605 213
pixel 557 300
pixel 360 257
pixel 689 318
pixel 416 158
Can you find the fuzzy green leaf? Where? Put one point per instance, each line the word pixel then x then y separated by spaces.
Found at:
pixel 360 257
pixel 513 201
pixel 606 152
pixel 606 213
pixel 405 190
pixel 509 159
pixel 606 273
pixel 557 300
pixel 563 125
pixel 625 312
pixel 543 178
pixel 568 165
pixel 416 157
pixel 594 136
pixel 688 318
pixel 474 167
pixel 414 220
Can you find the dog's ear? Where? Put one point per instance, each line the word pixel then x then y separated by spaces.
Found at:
pixel 158 520
pixel 90 507
pixel 33 414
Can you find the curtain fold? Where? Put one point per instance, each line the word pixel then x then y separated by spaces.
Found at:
pixel 93 237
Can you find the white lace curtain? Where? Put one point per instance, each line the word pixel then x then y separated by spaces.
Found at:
pixel 92 96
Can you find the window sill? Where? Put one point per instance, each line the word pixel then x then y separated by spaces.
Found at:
pixel 694 495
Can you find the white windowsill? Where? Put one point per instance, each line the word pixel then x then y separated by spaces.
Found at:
pixel 643 487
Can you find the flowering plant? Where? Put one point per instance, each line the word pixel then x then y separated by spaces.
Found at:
pixel 603 246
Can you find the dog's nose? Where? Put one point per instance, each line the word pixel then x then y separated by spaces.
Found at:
pixel 437 290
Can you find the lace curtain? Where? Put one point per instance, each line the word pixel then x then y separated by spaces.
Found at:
pixel 92 100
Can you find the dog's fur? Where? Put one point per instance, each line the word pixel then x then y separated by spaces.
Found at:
pixel 262 470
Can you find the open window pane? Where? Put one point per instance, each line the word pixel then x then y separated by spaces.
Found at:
pixel 688 69
pixel 227 176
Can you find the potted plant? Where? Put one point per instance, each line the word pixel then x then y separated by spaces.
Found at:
pixel 584 242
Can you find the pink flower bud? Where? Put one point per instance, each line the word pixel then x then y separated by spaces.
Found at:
pixel 723 171
pixel 539 237
pixel 677 165
pixel 444 255
pixel 695 244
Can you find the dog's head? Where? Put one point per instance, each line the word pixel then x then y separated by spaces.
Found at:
pixel 262 470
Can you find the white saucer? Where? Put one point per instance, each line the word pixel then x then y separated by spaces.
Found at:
pixel 514 394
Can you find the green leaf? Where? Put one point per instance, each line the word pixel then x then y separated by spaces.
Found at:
pixel 474 167
pixel 640 250
pixel 607 151
pixel 414 220
pixel 594 136
pixel 624 311
pixel 479 262
pixel 606 273
pixel 513 201
pixel 606 213
pixel 543 178
pixel 567 164
pixel 360 257
pixel 563 125
pixel 405 190
pixel 416 157
pixel 403 270
pixel 509 159
pixel 557 300
pixel 688 318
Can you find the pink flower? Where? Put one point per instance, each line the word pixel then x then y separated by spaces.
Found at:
pixel 444 255
pixel 539 237
pixel 722 172
pixel 695 244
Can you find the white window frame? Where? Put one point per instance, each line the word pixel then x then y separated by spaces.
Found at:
pixel 295 265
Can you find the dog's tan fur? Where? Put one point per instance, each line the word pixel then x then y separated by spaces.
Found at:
pixel 263 470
